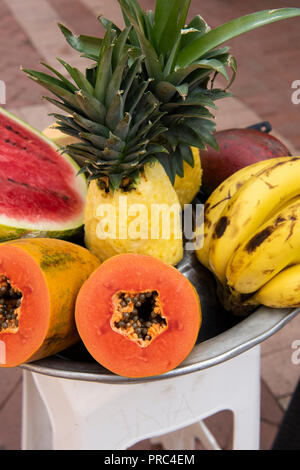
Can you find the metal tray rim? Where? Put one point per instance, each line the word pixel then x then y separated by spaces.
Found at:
pixel 209 353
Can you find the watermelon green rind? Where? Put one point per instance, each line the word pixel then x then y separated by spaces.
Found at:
pixel 12 233
pixel 11 228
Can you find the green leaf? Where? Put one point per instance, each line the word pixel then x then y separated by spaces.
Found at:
pixel 68 108
pixel 169 165
pixel 195 29
pixel 230 30
pixel 65 120
pixel 70 85
pixel 133 101
pixel 196 98
pixel 165 90
pixel 115 181
pixel 108 24
pixel 169 67
pixel 57 87
pixel 91 126
pixel 92 107
pixel 104 73
pixel 67 130
pixel 131 75
pixel 119 48
pixel 170 17
pixel 78 77
pixel 191 111
pixel 115 112
pixel 96 140
pixel 213 64
pixel 123 127
pixel 148 22
pixel 88 45
pixel 216 52
pixel 114 143
pixel 205 129
pixel 179 164
pixel 114 84
pixel 187 154
pixel 187 135
pixel 151 59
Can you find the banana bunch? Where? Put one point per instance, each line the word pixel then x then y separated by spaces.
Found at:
pixel 251 233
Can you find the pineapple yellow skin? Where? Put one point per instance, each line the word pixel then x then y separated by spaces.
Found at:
pixel 154 187
pixel 188 186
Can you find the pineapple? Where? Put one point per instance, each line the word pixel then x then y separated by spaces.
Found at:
pixel 116 119
pixel 183 61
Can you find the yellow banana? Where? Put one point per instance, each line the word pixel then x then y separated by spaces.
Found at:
pixel 252 204
pixel 275 246
pixel 282 291
pixel 218 200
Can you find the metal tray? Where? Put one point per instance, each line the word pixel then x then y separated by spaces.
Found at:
pixel 222 336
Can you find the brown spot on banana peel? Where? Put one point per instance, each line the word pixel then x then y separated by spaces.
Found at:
pixel 221 227
pixel 285 162
pixel 227 198
pixel 268 271
pixel 270 186
pixel 279 220
pixel 259 238
pixel 293 219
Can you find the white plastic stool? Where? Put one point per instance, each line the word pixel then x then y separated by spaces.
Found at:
pixel 78 415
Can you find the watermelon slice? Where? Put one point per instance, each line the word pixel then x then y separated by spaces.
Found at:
pixel 40 192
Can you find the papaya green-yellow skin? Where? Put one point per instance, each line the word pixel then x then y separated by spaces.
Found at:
pixel 154 188
pixel 189 186
pixel 65 267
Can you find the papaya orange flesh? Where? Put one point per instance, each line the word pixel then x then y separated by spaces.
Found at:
pixel 40 279
pixel 137 316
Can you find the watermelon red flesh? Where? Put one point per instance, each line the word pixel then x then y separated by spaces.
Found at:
pixel 36 183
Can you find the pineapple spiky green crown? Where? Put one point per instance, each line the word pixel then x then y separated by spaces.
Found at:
pixel 183 61
pixel 111 110
pixel 148 93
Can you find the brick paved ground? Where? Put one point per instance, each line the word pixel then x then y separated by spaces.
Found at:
pixel 268 64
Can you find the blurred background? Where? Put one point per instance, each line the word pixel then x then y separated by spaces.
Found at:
pixel 268 64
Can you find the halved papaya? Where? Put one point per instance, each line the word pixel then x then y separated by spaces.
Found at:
pixel 137 316
pixel 39 282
